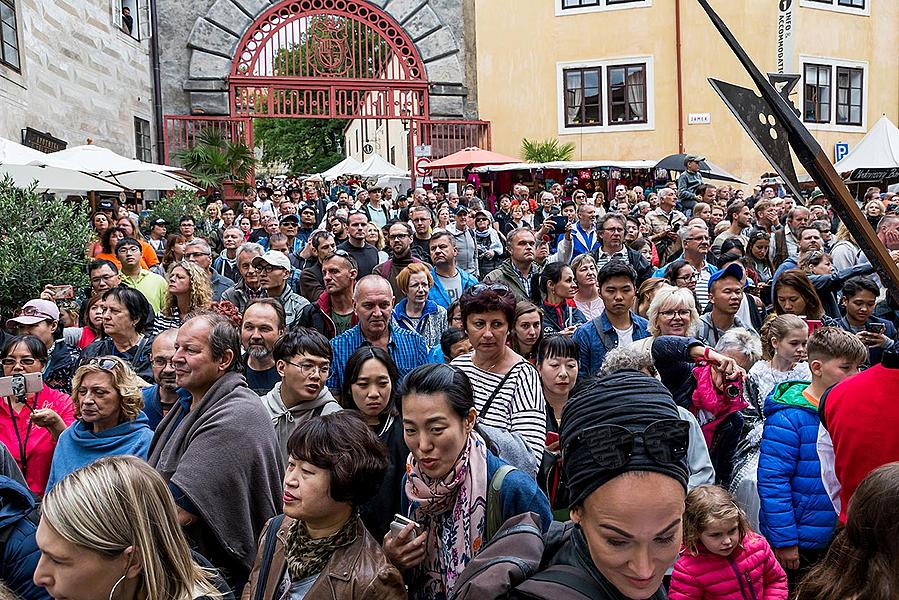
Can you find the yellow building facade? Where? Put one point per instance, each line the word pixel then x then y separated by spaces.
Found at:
pixel 605 75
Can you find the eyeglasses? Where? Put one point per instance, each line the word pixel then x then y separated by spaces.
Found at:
pixel 611 446
pixel 691 277
pixel 308 368
pixel 102 278
pixel 191 255
pixel 397 236
pixel 11 362
pixel 670 314
pixel 701 238
pixel 270 268
pixel 162 362
pixel 289 224
pixel 613 229
pixel 107 364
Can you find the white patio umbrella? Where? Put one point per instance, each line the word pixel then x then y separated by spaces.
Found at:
pixel 56 178
pixel 12 153
pixel 128 172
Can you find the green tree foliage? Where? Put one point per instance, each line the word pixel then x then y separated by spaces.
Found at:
pixel 303 145
pixel 172 208
pixel 42 240
pixel 214 160
pixel 541 151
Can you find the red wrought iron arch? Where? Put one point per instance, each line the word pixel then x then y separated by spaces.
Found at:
pixel 278 28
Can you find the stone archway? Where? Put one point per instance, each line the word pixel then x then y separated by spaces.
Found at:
pixel 215 37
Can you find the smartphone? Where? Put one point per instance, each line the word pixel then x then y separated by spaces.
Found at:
pixel 559 224
pixel 21 385
pixel 551 438
pixel 399 523
pixel 880 328
pixel 62 292
pixel 813 325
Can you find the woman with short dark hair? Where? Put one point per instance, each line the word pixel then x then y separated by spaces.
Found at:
pixel 126 313
pixel 507 390
pixel 321 546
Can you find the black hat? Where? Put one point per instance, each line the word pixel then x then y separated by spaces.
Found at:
pixel 266 189
pixel 290 217
pixel 159 221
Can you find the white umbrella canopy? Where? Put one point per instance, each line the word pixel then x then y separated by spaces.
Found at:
pixel 378 167
pixel 128 172
pixel 12 153
pixel 55 178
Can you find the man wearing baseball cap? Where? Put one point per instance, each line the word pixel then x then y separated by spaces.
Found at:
pixel 274 268
pixel 688 182
pixel 40 318
pixel 157 236
pixel 726 296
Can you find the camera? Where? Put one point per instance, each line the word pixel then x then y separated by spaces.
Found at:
pixel 732 390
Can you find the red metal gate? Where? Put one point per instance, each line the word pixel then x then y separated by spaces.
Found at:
pixel 182 132
pixel 445 138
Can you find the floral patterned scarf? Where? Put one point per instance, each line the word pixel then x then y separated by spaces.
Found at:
pixel 453 510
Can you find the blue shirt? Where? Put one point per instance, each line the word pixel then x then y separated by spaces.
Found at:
pixel 592 344
pixel 407 349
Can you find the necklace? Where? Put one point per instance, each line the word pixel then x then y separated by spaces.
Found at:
pixel 491 367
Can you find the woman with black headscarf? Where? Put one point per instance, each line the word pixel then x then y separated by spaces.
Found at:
pixel 625 462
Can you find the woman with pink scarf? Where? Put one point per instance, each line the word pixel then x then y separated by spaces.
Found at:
pixel 450 477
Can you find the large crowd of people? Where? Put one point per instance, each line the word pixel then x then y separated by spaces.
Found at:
pixel 343 392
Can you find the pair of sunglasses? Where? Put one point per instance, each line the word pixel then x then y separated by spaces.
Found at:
pixel 612 446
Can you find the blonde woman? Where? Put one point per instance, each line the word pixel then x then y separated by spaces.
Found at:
pixel 189 290
pixel 671 312
pixel 587 296
pixel 374 235
pixel 110 530
pixel 108 400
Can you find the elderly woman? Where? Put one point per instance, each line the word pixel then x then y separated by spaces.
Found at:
pixel 189 290
pixel 31 424
pixel 125 315
pixel 41 318
pixel 671 312
pixel 507 390
pixel 456 490
pixel 108 402
pixel 625 464
pixel 116 520
pixel 415 311
pixel 587 296
pixel 319 547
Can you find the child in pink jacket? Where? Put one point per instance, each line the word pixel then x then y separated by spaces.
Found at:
pixel 722 558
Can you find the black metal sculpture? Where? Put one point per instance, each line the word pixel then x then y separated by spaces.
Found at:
pixel 775 127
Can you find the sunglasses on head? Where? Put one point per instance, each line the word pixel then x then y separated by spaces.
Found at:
pixel 107 364
pixel 612 446
pixel 483 287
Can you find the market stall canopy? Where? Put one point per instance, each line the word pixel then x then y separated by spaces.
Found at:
pixel 470 156
pixel 128 172
pixel 12 153
pixel 47 178
pixel 876 157
pixel 347 166
pixel 709 170
pixel 378 167
pixel 568 164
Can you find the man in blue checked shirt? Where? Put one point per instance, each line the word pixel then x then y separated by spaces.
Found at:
pixel 373 299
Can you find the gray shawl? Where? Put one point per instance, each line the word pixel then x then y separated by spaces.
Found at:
pixel 224 456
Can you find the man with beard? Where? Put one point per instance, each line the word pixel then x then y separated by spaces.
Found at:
pixel 449 280
pixel 399 237
pixel 312 282
pixel 161 397
pixel 262 325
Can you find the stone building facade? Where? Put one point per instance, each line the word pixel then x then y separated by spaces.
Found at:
pixel 73 71
pixel 198 40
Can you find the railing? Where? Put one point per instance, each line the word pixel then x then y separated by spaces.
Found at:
pixel 447 137
pixel 183 131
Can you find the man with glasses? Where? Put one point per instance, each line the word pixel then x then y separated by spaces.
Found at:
pixel 162 396
pixel 151 285
pixel 303 359
pixel 262 325
pixel 274 269
pixel 612 227
pixel 399 239
pixel 198 252
pixel 187 226
pixel 365 255
pixel 664 223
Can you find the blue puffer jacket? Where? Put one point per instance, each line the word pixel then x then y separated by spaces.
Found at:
pixel 795 508
pixel 19 552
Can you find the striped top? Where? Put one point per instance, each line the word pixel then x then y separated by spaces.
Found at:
pixel 519 407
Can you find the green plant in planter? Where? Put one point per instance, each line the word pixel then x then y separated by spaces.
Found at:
pixel 42 240
pixel 545 150
pixel 215 160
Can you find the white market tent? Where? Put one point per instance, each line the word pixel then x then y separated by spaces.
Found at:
pixel 378 167
pixel 878 151
pixel 348 166
pixel 568 164
pixel 128 172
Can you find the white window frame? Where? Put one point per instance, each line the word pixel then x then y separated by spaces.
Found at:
pixel 833 63
pixel 603 6
pixel 140 12
pixel 604 64
pixel 832 6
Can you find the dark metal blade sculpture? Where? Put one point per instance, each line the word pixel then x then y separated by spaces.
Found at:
pixel 775 127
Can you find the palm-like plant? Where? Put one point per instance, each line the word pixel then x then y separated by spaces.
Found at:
pixel 545 150
pixel 215 160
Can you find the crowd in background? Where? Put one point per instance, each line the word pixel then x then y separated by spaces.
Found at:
pixel 343 392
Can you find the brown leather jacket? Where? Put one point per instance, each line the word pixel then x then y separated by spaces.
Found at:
pixel 359 571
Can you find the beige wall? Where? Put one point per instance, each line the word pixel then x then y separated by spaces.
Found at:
pixel 522 42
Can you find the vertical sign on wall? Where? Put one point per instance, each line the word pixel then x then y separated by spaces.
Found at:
pixel 786 29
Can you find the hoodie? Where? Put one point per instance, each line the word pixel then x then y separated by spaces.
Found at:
pixel 18 552
pixel 286 419
pixel 795 507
